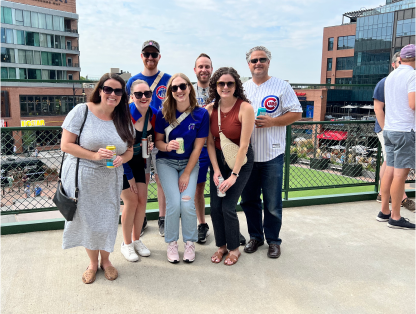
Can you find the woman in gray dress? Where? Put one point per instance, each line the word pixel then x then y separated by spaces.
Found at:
pixel 108 122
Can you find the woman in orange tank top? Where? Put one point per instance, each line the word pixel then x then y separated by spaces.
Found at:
pixel 237 122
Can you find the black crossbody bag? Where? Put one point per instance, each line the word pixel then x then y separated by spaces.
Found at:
pixel 68 205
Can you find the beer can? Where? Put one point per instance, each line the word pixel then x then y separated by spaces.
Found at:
pixel 145 148
pixel 181 142
pixel 110 161
pixel 219 193
pixel 261 111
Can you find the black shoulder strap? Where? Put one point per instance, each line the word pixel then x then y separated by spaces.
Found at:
pixel 63 156
pixel 146 121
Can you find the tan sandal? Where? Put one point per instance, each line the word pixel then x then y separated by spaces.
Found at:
pixel 88 276
pixel 218 256
pixel 110 272
pixel 232 258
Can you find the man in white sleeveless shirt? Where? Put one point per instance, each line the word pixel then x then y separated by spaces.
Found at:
pixel 268 141
pixel 399 136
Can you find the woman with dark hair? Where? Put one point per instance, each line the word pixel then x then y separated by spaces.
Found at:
pixel 237 122
pixel 181 129
pixel 107 122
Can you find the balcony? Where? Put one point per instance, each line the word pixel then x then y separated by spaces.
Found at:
pixel 71 30
pixel 73 65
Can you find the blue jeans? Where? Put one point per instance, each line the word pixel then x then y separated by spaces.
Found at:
pixel 266 177
pixel 169 171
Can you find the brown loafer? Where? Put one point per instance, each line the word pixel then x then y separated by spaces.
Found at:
pixel 274 251
pixel 110 272
pixel 252 246
pixel 88 276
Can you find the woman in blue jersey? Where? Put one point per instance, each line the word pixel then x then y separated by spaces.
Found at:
pixel 135 185
pixel 178 164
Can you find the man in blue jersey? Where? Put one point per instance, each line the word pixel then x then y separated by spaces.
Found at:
pixel 157 81
pixel 268 142
pixel 378 128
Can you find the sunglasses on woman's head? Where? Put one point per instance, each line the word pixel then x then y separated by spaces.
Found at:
pixel 153 54
pixel 146 94
pixel 109 90
pixel 222 84
pixel 182 86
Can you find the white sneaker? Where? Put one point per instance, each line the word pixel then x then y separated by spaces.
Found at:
pixel 141 248
pixel 128 251
pixel 189 254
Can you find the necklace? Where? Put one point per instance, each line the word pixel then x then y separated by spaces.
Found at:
pixel 225 114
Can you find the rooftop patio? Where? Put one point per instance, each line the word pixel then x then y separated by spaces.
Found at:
pixel 335 259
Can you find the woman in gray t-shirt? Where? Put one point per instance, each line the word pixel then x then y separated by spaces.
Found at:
pixel 107 122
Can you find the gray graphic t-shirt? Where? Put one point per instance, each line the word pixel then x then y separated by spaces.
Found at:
pixel 202 94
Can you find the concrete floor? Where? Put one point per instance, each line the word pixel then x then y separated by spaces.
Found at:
pixel 335 259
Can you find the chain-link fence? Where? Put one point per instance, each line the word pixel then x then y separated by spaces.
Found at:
pixel 318 155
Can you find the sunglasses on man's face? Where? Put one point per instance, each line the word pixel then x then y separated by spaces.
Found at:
pixel 109 90
pixel 182 86
pixel 153 54
pixel 222 84
pixel 262 60
pixel 146 94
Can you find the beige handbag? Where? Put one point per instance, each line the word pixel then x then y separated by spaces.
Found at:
pixel 229 148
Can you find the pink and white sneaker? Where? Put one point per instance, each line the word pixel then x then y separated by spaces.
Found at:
pixel 173 254
pixel 189 254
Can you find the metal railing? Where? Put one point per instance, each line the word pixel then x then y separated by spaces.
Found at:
pixel 318 155
pixel 71 30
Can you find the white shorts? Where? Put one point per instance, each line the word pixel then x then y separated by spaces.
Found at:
pixel 383 147
pixel 151 162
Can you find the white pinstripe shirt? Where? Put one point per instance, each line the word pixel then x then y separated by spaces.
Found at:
pixel 278 97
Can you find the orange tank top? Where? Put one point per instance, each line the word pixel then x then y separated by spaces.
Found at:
pixel 230 125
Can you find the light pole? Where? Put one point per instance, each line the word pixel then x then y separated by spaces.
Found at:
pixel 73 91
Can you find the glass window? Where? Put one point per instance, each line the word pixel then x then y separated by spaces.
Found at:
pixel 42 40
pixel 4 73
pixel 345 63
pixel 49 24
pixel 26 18
pixel 328 80
pixel 3 35
pixel 23 106
pixel 61 24
pixel 12 73
pixel 19 17
pixel 46 58
pixel 329 64
pixel 7 55
pixel 30 39
pixel 22 73
pixel 62 42
pixel 348 42
pixel 42 20
pixel 20 35
pixel 35 19
pixel 36 57
pixel 8 16
pixel 49 40
pixel 29 57
pixel 22 56
pixel 36 39
pixel 64 59
pixel 34 74
pixel 9 36
pixel 55 22
pixel 330 43
pixel 56 59
pixel 45 74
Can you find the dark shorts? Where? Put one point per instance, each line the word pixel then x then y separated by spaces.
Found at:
pixel 400 149
pixel 204 163
pixel 139 176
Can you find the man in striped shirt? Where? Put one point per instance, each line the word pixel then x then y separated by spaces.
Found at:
pixel 268 141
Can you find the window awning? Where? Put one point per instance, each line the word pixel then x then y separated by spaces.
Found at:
pixel 333 135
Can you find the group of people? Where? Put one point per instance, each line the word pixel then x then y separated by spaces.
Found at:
pixel 394 105
pixel 163 122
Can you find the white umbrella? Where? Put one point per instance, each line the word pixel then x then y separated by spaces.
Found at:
pixel 339 147
pixel 359 149
pixel 369 107
pixel 349 107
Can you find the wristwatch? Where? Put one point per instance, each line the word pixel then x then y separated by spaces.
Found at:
pixel 236 174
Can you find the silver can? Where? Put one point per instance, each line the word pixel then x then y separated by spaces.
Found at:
pixel 181 142
pixel 219 193
pixel 145 148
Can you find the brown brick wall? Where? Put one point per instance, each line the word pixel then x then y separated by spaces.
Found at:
pixel 70 6
pixel 335 32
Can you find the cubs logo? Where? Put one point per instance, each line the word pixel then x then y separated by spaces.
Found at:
pixel 161 92
pixel 191 126
pixel 271 103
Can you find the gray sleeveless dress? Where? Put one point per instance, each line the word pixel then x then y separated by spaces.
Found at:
pixel 96 219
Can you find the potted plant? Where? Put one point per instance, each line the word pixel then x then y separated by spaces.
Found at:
pixel 319 160
pixel 293 154
pixel 351 168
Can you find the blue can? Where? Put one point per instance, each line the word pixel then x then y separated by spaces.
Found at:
pixel 261 111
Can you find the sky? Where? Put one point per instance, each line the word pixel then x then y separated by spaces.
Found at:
pixel 112 33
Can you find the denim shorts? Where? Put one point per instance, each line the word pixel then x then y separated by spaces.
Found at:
pixel 400 149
